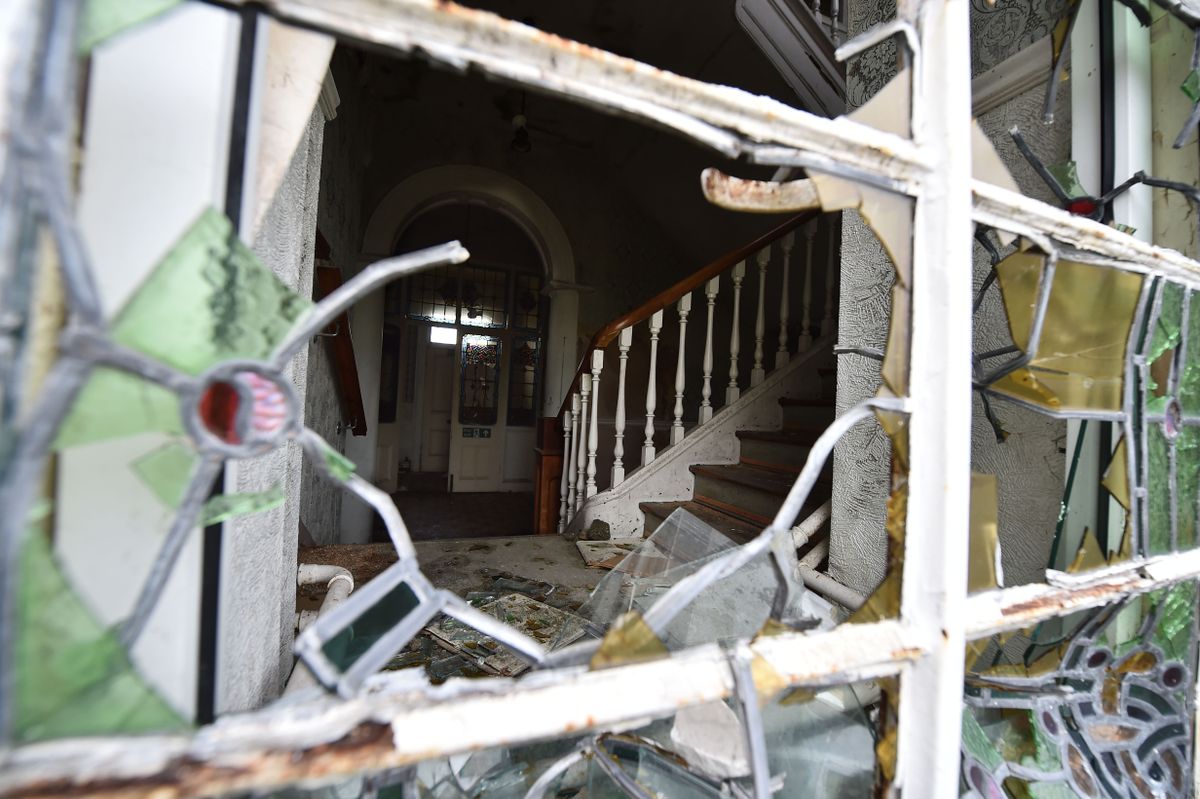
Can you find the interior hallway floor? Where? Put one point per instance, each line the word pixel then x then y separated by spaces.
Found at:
pixel 438 515
pixel 473 564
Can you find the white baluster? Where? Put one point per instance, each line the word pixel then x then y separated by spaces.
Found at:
pixel 656 323
pixel 831 276
pixel 585 386
pixel 781 354
pixel 571 456
pixel 685 307
pixel 805 340
pixel 710 293
pixel 594 426
pixel 566 480
pixel 624 341
pixel 757 374
pixel 732 392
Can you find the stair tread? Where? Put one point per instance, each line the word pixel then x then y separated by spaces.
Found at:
pixel 753 518
pixel 737 529
pixel 772 481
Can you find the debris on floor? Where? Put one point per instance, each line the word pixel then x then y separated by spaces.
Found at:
pixel 605 554
pixel 818 743
pixel 734 608
pixel 710 737
pixel 536 619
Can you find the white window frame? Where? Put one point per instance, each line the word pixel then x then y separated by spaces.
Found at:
pixel 402 720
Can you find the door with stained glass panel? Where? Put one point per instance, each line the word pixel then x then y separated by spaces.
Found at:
pixel 489 312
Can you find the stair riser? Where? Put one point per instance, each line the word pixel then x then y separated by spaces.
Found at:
pixel 806 418
pixel 723 495
pixel 653 520
pixel 781 454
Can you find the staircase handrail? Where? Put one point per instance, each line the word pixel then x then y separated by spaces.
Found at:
pixel 607 334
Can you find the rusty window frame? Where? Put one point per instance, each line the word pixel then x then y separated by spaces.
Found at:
pixel 402 720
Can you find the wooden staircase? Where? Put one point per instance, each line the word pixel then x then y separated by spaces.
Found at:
pixel 740 499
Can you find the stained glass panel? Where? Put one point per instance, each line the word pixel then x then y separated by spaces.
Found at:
pixel 433 296
pixel 479 380
pixel 1111 716
pixel 527 301
pixel 483 297
pixel 524 372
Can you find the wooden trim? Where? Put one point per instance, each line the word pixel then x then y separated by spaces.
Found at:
pixel 341 350
pixel 607 334
pixel 1024 70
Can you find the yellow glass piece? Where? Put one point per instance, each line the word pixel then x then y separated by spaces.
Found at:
pixel 1089 556
pixel 797 696
pixel 772 627
pixel 1116 476
pixel 1080 360
pixel 1126 551
pixel 885 749
pixel 1061 29
pixel 975 650
pixel 1137 663
pixel 885 753
pixel 629 640
pixel 884 601
pixel 768 682
pixel 896 426
pixel 983 571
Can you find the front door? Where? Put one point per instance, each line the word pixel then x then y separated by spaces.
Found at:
pixel 478 431
pixel 440 371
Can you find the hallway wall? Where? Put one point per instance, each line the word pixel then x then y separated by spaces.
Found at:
pixel 1029 464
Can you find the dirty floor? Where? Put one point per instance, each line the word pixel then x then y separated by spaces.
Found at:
pixel 467 565
pixel 437 515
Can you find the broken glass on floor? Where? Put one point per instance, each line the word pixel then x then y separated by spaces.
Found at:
pixel 538 620
pixel 733 608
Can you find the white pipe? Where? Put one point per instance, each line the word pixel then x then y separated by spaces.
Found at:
pixel 830 588
pixel 806 529
pixel 313 573
pixel 338 585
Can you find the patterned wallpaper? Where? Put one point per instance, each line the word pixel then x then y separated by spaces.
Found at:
pixel 997 31
pixel 1002 29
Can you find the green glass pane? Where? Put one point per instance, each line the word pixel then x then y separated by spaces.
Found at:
pixel 166 471
pixel 103 19
pixel 1159 487
pixel 208 301
pixel 1067 175
pixel 1189 383
pixel 1191 86
pixel 72 676
pixel 977 744
pixel 1187 483
pixel 230 506
pixel 102 410
pixel 338 464
pixel 1167 326
pixel 1046 757
pixel 1173 631
pixel 1052 790
pixel 349 645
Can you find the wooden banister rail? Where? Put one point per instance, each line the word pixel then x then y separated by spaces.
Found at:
pixel 607 334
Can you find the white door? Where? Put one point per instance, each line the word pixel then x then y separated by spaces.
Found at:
pixel 439 393
pixel 477 440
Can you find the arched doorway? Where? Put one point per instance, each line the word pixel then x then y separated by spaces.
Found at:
pixel 463 356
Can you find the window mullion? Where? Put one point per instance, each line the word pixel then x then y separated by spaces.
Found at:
pixel 935 562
